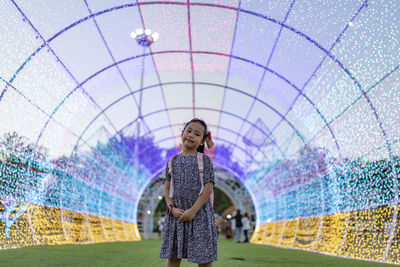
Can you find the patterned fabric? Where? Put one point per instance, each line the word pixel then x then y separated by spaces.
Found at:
pixel 195 240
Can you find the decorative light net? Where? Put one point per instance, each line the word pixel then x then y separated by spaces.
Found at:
pixel 302 99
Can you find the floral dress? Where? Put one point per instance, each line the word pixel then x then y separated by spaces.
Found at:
pixel 195 240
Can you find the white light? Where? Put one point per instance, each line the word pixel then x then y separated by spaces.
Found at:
pixel 133 35
pixel 159 197
pixel 139 119
pixel 147 31
pixel 139 31
pixel 149 212
pixel 228 216
pixel 155 36
pixel 269 220
pixel 351 24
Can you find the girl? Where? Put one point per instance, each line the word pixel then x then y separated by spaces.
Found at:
pixel 189 229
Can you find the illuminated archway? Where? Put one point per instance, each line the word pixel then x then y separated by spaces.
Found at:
pixel 302 100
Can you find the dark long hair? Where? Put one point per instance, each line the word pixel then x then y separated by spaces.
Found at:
pixel 201 147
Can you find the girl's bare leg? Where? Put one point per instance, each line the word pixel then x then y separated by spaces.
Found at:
pixel 173 263
pixel 206 265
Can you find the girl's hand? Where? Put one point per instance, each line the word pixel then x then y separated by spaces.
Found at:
pixel 188 215
pixel 177 213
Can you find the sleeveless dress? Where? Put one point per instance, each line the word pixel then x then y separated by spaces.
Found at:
pixel 195 240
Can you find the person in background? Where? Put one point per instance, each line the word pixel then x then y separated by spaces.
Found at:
pixel 217 222
pixel 161 223
pixel 228 229
pixel 246 227
pixel 238 225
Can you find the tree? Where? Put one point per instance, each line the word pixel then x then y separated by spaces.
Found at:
pixel 22 166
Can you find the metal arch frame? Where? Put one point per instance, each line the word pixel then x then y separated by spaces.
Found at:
pixel 377 117
pixel 201 83
pixel 215 6
pixel 152 53
pixel 194 4
pixel 231 88
pixel 202 4
pixel 161 84
pixel 228 7
pixel 249 191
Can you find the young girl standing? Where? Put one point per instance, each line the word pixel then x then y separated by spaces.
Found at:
pixel 189 230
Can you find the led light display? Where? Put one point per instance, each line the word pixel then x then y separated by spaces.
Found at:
pixel 302 99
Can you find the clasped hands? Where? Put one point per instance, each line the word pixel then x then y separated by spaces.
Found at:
pixel 183 215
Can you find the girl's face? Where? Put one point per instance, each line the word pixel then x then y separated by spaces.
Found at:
pixel 193 135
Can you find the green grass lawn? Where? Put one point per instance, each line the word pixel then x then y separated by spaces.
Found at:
pixel 146 253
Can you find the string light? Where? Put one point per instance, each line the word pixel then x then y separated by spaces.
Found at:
pixel 333 188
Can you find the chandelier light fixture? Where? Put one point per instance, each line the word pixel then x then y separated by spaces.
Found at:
pixel 144 37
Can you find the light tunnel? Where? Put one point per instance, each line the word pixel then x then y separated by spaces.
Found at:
pixel 302 99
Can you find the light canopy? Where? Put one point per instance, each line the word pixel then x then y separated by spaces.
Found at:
pixel 302 100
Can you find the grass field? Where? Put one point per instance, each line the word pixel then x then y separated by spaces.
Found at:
pixel 145 253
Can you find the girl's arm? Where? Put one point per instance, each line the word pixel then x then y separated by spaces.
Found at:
pixel 175 211
pixel 189 214
pixel 168 200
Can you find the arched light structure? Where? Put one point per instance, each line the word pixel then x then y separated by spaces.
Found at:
pixel 302 99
